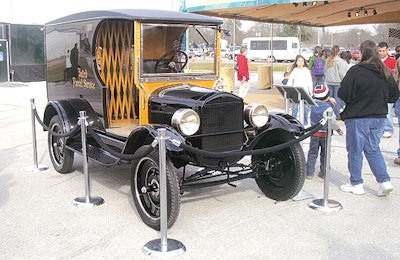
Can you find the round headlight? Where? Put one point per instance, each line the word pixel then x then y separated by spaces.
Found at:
pixel 256 115
pixel 186 120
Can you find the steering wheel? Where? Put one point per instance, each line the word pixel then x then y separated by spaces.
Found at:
pixel 172 61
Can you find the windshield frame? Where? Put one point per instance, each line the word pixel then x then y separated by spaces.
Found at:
pixel 183 39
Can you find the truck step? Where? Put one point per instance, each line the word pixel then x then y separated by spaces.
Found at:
pixel 97 154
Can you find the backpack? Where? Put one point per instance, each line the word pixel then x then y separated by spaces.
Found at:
pixel 318 67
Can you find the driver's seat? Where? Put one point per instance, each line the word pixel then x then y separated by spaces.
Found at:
pixel 149 66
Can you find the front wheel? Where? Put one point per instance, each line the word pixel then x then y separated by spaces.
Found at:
pixel 281 173
pixel 145 188
pixel 61 157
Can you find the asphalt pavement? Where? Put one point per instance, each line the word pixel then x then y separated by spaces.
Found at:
pixel 38 221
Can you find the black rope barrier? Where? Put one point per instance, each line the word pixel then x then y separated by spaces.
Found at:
pixel 46 128
pixel 95 137
pixel 247 152
pixel 104 146
pixel 311 130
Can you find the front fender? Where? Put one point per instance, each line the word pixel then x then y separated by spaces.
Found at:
pixel 278 124
pixel 285 122
pixel 145 135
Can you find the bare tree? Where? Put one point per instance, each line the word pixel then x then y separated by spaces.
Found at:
pixel 349 38
pixel 382 34
pixel 229 24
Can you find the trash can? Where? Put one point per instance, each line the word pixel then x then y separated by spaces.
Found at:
pixel 265 77
pixel 227 79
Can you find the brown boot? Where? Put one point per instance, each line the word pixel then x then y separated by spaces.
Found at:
pixel 397 161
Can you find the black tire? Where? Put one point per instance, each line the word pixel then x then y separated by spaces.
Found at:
pixel 61 157
pixel 145 188
pixel 281 174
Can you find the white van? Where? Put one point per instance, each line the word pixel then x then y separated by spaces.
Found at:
pixel 283 48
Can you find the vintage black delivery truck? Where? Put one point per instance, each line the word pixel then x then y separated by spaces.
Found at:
pixel 132 72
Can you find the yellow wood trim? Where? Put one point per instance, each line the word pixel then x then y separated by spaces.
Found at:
pixel 218 52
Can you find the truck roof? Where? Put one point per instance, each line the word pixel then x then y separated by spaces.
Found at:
pixel 144 15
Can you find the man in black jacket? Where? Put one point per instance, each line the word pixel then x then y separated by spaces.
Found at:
pixel 74 61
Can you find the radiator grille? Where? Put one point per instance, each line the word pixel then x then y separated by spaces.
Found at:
pixel 218 119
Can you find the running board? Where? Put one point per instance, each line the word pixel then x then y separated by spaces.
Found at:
pixel 96 154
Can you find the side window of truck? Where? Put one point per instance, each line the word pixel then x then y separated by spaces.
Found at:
pixel 114 56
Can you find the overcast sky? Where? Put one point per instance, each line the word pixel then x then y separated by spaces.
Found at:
pixel 43 11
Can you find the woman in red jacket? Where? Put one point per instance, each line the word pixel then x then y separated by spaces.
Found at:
pixel 243 72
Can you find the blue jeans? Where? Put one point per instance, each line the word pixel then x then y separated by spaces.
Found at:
pixel 318 80
pixel 364 135
pixel 398 120
pixel 333 92
pixel 315 144
pixel 295 110
pixel 389 120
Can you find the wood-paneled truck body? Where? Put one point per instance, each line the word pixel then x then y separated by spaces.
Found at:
pixel 131 72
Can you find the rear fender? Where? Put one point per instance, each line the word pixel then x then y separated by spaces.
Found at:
pixel 68 111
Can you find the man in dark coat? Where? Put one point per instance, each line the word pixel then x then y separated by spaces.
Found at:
pixel 74 61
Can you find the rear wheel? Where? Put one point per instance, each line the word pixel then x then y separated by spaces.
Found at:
pixel 145 187
pixel 61 157
pixel 280 174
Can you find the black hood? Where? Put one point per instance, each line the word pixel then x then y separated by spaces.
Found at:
pixel 373 68
pixel 186 91
pixel 189 95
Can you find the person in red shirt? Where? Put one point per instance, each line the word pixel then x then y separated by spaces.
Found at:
pixel 390 62
pixel 243 72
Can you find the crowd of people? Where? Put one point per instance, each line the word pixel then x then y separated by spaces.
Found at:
pixel 361 93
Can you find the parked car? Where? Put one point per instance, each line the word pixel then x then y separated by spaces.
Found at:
pixel 195 53
pixel 132 82
pixel 224 53
pixel 307 53
pixel 232 53
pixel 355 55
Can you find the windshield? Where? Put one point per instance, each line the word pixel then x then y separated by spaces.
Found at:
pixel 178 49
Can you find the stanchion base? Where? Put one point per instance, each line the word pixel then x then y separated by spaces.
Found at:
pixel 325 205
pixel 92 202
pixel 302 195
pixel 32 168
pixel 154 248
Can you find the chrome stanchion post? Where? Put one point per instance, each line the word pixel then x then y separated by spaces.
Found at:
pixel 301 108
pixel 325 204
pixel 302 195
pixel 88 200
pixel 163 247
pixel 286 100
pixel 35 167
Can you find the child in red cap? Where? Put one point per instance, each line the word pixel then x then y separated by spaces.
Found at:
pixel 318 140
